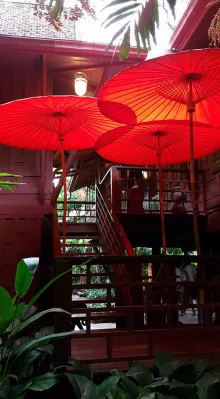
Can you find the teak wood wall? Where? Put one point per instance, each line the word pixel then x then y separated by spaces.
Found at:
pixel 21 212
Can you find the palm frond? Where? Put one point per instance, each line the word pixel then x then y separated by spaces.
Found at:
pixel 122 11
pixel 116 3
pixel 142 24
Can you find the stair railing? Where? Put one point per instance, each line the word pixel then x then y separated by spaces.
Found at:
pixel 111 228
pixel 115 239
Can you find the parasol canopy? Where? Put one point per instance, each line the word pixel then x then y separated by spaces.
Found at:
pixel 139 144
pixel 158 89
pixel 53 123
pixel 43 123
pixel 157 143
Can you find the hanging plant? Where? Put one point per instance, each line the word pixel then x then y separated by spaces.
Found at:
pixel 53 10
pixel 214 29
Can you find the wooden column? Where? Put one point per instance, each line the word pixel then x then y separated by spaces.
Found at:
pixel 46 264
pixel 69 163
pixel 155 318
pixel 63 300
pixel 134 272
pixel 43 155
pixel 115 192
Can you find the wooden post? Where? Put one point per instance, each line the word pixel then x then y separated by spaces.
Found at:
pixel 204 199
pixel 43 155
pixel 161 200
pixel 155 318
pixel 115 192
pixel 191 110
pixel 72 157
pixel 46 264
pixel 137 295
pixel 63 300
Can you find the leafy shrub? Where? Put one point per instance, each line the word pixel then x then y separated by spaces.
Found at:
pixel 178 379
pixel 24 352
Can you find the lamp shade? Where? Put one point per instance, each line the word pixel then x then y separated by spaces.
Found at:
pixel 80 84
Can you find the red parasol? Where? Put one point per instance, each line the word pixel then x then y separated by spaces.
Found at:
pixel 158 89
pixel 157 143
pixel 53 123
pixel 169 87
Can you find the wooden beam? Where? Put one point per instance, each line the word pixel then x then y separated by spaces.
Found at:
pixel 186 28
pixel 72 158
pixel 73 68
pixel 43 154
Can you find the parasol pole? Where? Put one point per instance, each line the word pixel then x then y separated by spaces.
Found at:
pixel 191 110
pixel 65 196
pixel 61 139
pixel 161 198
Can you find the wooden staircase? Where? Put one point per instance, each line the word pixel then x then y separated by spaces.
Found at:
pixel 82 240
pixel 93 230
pixel 83 237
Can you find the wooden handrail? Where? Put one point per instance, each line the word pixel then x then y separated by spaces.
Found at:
pixel 174 259
pixel 151 168
pixel 124 240
pixel 132 341
pixel 104 178
pixel 115 239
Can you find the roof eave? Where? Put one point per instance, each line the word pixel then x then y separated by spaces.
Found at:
pixel 65 47
pixel 188 24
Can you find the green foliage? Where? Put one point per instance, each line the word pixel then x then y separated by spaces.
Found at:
pixel 23 279
pixel 178 379
pixel 7 185
pixel 98 293
pixel 142 20
pixel 22 352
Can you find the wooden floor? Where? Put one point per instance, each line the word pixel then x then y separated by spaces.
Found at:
pixel 106 349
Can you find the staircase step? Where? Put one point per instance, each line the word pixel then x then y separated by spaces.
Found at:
pixel 99 245
pixel 79 228
pixel 85 254
pixel 82 237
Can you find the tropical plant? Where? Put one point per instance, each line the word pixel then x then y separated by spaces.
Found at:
pixel 140 19
pixel 23 350
pixel 8 185
pixel 183 379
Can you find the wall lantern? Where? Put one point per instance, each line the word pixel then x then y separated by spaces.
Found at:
pixel 145 174
pixel 80 83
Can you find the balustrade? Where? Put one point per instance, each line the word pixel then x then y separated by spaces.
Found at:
pixel 155 307
pixel 120 182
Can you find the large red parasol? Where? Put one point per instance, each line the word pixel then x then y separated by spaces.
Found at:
pixel 158 89
pixel 169 87
pixel 157 143
pixel 53 123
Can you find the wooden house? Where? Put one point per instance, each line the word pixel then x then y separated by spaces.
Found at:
pixel 35 60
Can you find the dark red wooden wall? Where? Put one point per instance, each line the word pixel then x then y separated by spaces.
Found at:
pixel 21 212
pixel 211 165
